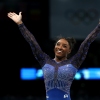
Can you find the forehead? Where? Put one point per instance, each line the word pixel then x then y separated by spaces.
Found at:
pixel 63 41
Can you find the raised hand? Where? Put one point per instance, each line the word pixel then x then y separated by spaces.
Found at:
pixel 17 18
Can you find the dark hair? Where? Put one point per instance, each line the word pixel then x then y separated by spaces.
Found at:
pixel 70 40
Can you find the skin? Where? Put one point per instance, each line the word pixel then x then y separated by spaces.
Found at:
pixel 61 49
pixel 17 18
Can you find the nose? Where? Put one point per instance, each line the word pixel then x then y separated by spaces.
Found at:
pixel 60 47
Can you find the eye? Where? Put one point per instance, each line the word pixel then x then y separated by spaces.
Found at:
pixel 65 46
pixel 58 44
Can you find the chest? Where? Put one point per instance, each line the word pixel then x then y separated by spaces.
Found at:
pixel 59 72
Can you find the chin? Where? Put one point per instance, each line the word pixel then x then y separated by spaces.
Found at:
pixel 59 57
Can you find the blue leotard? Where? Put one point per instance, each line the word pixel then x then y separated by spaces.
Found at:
pixel 58 77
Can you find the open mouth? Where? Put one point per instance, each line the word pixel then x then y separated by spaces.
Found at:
pixel 59 51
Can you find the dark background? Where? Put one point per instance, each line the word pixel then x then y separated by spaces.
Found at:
pixel 16 52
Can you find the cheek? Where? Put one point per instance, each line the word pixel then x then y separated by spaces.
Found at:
pixel 54 49
pixel 66 51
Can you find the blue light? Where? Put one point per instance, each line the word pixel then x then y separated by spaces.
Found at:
pixel 28 73
pixel 91 73
pixel 77 76
pixel 87 74
pixel 39 73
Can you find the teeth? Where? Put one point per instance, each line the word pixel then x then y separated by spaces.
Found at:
pixel 59 51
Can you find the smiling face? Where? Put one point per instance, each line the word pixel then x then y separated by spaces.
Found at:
pixel 62 49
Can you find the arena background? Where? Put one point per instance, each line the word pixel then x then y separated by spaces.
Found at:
pixel 46 20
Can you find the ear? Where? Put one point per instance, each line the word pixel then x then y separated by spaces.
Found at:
pixel 69 51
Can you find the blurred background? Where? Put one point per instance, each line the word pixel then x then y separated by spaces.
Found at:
pixel 21 77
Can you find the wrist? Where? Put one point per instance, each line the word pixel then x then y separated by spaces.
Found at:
pixel 20 22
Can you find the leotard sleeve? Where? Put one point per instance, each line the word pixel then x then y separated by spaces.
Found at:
pixel 36 50
pixel 80 56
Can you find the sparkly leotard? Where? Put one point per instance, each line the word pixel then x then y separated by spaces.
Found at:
pixel 58 77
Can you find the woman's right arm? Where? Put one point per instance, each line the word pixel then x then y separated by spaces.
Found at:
pixel 38 53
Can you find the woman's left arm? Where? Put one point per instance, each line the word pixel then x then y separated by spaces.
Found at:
pixel 80 56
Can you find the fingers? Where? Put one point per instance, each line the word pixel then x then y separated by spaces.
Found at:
pixel 20 13
pixel 10 14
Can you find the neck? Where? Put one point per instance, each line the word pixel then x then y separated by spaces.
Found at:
pixel 59 59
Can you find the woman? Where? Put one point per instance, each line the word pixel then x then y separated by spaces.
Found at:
pixel 60 71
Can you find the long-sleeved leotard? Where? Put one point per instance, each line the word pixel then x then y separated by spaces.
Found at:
pixel 58 77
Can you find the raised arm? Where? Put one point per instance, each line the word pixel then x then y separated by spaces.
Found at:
pixel 80 56
pixel 38 53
